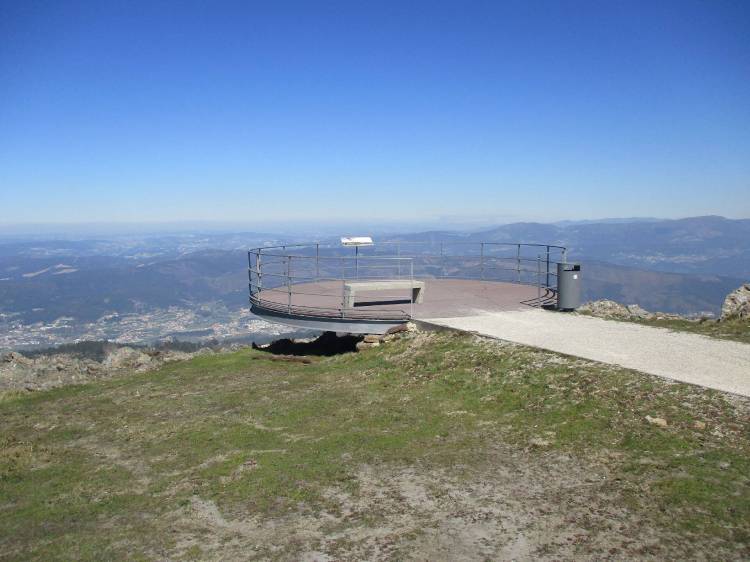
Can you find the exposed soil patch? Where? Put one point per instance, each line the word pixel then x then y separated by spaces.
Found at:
pixel 518 507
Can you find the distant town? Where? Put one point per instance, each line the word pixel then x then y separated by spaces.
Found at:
pixel 174 323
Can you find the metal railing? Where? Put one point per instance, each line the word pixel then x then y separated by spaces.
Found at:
pixel 310 279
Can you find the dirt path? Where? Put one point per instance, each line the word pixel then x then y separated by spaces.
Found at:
pixel 691 358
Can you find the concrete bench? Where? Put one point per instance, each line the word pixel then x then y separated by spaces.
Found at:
pixel 352 287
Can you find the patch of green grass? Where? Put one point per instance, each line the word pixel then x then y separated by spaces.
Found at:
pixel 106 469
pixel 734 329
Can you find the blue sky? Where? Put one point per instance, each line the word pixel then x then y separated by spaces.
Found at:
pixel 441 111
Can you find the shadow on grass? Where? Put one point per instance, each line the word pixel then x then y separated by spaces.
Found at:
pixel 326 344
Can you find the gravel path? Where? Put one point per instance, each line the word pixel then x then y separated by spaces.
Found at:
pixel 713 363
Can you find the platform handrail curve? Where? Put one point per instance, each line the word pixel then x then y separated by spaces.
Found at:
pixel 285 266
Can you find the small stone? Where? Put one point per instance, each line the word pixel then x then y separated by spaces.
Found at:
pixel 539 442
pixel 724 465
pixel 638 312
pixel 372 338
pixel 697 424
pixel 661 422
pixel 290 358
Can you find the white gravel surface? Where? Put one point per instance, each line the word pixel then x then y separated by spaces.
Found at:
pixel 713 363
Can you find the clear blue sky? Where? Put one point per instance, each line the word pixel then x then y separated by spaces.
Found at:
pixel 163 111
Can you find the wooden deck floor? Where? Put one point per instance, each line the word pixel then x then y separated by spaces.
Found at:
pixel 444 298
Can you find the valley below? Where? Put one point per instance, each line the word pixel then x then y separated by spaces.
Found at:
pixel 193 286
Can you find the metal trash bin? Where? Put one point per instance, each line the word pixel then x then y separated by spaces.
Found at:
pixel 568 286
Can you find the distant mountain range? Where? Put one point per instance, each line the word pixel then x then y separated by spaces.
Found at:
pixel 699 245
pixel 684 266
pixel 606 221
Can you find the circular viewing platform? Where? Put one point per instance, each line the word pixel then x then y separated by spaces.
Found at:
pixel 373 288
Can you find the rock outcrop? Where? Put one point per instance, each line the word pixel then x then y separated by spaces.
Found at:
pixel 614 310
pixel 737 304
pixel 128 358
pixel 636 311
pixel 56 369
pixel 608 309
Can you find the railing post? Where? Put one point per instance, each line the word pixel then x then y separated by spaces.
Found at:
pixel 539 277
pixel 289 283
pixel 250 272
pixel 260 273
pixel 518 262
pixel 411 308
pixel 481 260
pixel 398 255
pixel 442 260
pixel 343 298
pixel 343 290
pixel 548 267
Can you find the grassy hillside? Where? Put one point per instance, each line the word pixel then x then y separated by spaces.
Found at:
pixel 735 329
pixel 434 446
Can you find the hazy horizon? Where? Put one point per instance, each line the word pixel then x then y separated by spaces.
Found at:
pixel 464 224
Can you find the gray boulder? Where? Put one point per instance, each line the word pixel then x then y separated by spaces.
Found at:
pixel 15 358
pixel 737 303
pixel 127 358
pixel 605 309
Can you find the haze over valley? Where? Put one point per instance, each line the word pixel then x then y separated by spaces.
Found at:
pixel 146 287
